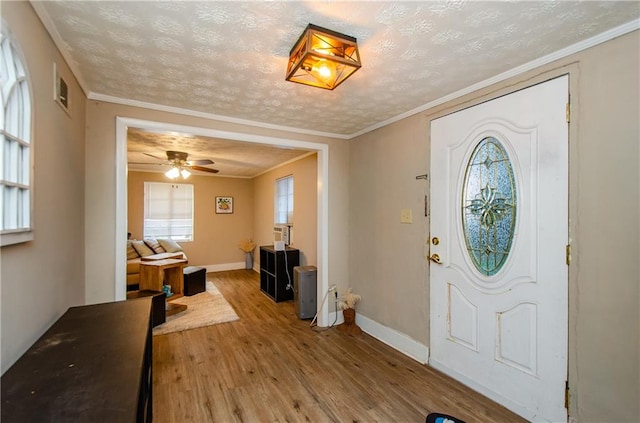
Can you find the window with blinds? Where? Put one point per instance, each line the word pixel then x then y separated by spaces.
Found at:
pixel 16 224
pixel 168 211
pixel 284 200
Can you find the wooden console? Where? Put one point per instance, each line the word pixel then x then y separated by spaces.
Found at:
pixel 92 365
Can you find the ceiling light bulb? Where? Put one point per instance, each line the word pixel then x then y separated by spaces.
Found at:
pixel 185 173
pixel 325 69
pixel 172 173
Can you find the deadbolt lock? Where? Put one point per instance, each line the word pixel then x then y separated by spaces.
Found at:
pixel 435 240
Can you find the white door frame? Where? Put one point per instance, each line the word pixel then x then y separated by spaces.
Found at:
pixel 122 123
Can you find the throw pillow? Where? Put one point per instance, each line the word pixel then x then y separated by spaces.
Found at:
pixel 154 245
pixel 170 245
pixel 142 248
pixel 131 252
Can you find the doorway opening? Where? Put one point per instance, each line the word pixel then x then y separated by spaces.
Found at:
pixel 322 150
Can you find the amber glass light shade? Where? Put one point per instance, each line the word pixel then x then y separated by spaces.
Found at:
pixel 323 58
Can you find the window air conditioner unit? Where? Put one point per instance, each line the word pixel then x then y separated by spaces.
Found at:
pixel 281 233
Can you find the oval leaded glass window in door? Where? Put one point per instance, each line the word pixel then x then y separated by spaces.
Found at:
pixel 489 206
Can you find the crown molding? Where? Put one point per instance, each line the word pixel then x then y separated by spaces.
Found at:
pixel 310 153
pixel 211 116
pixel 41 12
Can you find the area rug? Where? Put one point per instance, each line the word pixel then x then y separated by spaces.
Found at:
pixel 203 309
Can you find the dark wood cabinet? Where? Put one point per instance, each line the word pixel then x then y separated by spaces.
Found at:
pixel 92 365
pixel 276 272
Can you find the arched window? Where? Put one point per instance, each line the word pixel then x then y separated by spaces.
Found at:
pixel 16 137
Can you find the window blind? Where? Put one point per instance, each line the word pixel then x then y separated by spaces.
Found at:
pixel 284 200
pixel 168 211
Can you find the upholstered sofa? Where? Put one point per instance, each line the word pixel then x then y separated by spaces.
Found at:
pixel 145 250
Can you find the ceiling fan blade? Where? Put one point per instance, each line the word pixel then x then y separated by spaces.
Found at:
pixel 204 169
pixel 200 162
pixel 155 157
pixel 147 164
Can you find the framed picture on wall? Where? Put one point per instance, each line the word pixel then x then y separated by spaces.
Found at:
pixel 224 205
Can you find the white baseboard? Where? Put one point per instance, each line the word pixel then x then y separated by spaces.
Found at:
pixel 397 340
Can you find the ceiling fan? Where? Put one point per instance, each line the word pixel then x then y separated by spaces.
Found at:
pixel 180 165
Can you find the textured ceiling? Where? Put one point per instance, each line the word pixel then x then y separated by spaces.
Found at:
pixel 229 58
pixel 232 158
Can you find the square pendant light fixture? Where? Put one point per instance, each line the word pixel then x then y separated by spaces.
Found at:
pixel 323 58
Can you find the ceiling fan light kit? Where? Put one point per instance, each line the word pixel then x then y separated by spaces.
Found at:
pixel 176 171
pixel 323 58
pixel 180 165
pixel 172 173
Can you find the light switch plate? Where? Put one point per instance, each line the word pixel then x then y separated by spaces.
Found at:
pixel 406 216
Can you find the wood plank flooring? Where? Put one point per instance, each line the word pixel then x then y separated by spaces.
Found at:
pixel 269 366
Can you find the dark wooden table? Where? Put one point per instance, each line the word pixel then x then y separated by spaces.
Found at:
pixel 93 364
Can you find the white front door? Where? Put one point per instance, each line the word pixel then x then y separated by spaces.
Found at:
pixel 499 230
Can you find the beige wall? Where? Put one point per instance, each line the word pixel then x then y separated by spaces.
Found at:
pixel 605 163
pixel 41 279
pixel 386 263
pixel 305 192
pixel 216 236
pixel 387 266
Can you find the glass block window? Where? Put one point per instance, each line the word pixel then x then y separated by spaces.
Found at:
pixel 16 151
pixel 489 206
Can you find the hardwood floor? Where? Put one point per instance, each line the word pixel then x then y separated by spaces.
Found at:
pixel 270 366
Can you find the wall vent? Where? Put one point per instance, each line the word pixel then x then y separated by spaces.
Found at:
pixel 61 91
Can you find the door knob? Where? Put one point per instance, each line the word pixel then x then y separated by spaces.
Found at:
pixel 435 258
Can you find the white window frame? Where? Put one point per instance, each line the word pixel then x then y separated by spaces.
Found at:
pixel 16 152
pixel 173 221
pixel 283 201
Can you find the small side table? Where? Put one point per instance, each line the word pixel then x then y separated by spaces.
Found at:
pixel 153 274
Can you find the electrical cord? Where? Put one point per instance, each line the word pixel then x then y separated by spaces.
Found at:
pixel 286 268
pixel 318 311
pixel 335 303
